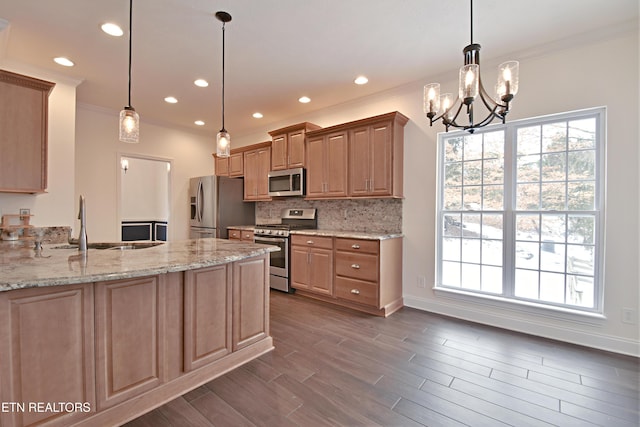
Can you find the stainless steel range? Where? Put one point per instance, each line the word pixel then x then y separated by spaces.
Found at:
pixel 278 235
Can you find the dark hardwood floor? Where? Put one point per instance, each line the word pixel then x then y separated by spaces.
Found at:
pixel 336 367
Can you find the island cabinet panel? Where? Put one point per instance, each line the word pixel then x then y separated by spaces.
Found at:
pixel 130 347
pixel 207 333
pixel 47 353
pixel 250 301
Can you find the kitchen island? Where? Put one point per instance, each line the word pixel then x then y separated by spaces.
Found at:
pixel 101 337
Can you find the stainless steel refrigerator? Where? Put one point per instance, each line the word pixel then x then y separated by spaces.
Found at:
pixel 215 203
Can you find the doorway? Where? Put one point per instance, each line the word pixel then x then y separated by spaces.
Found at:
pixel 145 184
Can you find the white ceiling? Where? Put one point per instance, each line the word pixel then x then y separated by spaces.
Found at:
pixel 277 50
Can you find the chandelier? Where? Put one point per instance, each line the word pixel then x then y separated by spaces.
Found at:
pixel 129 119
pixel 223 139
pixel 470 89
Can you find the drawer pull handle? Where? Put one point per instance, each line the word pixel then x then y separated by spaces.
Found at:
pixel 355 246
pixel 309 242
pixel 355 291
pixel 356 266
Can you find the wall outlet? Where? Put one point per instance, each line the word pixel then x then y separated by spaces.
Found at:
pixel 629 316
pixel 422 282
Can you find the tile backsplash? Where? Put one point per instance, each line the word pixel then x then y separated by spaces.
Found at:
pixel 365 215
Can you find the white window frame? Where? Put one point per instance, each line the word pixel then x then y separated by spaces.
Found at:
pixel 509 210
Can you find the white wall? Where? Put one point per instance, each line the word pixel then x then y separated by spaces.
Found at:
pixel 563 79
pixel 56 206
pixel 97 167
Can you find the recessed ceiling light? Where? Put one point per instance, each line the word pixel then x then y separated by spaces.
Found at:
pixel 201 83
pixel 304 99
pixel 199 122
pixel 257 115
pixel 61 60
pixel 361 80
pixel 112 29
pixel 171 100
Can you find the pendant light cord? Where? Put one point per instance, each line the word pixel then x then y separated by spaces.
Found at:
pixel 223 25
pixel 130 36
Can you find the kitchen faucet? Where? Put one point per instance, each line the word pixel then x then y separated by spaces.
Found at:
pixel 81 241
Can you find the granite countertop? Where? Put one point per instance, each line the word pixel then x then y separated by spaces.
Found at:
pixel 23 267
pixel 349 234
pixel 242 227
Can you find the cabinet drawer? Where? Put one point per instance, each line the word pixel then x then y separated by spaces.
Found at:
pixel 357 291
pixel 312 241
pixel 234 234
pixel 247 235
pixel 358 266
pixel 357 245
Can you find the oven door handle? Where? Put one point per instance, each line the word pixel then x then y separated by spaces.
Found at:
pixel 269 239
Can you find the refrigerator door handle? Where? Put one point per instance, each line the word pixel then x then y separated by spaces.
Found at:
pixel 199 200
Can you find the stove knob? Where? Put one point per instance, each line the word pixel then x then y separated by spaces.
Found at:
pixel 269 231
pixel 281 233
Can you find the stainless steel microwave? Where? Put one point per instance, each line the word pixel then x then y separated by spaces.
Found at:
pixel 289 182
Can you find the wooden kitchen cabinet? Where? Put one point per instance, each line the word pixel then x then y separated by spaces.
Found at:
pixel 24 124
pixel 257 164
pixel 239 234
pixel 232 166
pixel 130 349
pixel 375 156
pixel 288 146
pixel 250 302
pixel 368 274
pixel 312 264
pixel 327 165
pixel 47 352
pixel 207 308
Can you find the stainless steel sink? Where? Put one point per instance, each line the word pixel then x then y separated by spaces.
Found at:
pixel 114 245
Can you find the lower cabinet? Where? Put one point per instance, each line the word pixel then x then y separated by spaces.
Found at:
pixel 362 274
pixel 312 264
pixel 120 348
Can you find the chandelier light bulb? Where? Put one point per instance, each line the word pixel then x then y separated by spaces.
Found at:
pixel 432 99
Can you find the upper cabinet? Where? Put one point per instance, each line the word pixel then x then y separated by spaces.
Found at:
pixel 256 169
pixel 363 158
pixel 232 166
pixel 288 146
pixel 23 141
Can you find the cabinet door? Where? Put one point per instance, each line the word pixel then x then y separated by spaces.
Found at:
pixel 279 152
pixel 381 159
pixel 316 165
pixel 299 269
pixel 359 161
pixel 222 166
pixel 263 168
pixel 336 165
pixel 236 164
pixel 250 175
pixel 250 301
pixel 47 351
pixel 130 343
pixel 321 271
pixel 295 148
pixel 207 315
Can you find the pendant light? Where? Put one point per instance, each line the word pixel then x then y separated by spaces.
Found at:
pixel 129 119
pixel 470 89
pixel 223 139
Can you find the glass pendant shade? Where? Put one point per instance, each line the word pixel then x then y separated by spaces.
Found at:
pixel 446 102
pixel 223 144
pixel 468 83
pixel 432 98
pixel 129 125
pixel 508 80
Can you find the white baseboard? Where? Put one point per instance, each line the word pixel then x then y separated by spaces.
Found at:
pixel 505 319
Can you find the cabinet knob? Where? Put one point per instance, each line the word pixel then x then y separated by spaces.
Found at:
pixel 355 246
pixel 355 291
pixel 309 242
pixel 356 266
